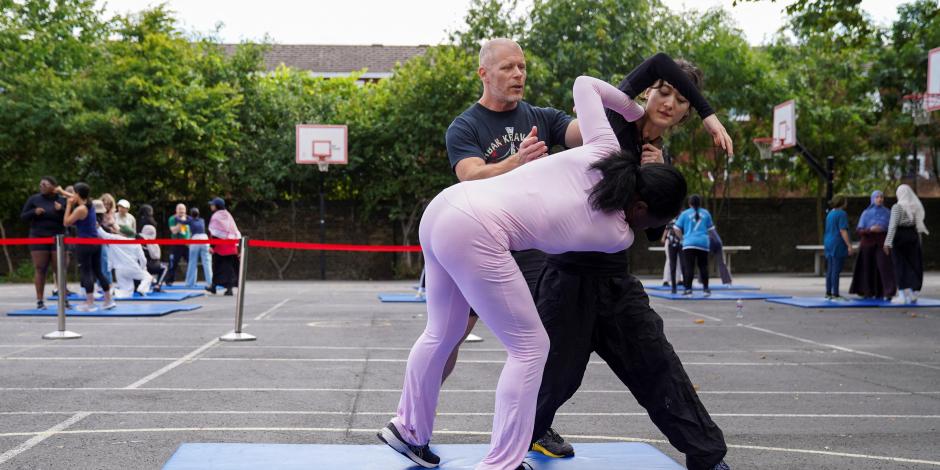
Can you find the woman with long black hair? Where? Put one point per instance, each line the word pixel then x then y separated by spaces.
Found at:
pixel 44 211
pixel 80 213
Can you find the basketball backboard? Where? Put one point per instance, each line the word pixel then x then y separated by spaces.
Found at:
pixel 321 144
pixel 932 102
pixel 784 126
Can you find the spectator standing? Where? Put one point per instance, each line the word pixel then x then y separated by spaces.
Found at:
pixel 126 222
pixel 837 245
pixel 44 211
pixel 198 253
pixel 224 257
pixel 903 243
pixel 179 230
pixel 873 276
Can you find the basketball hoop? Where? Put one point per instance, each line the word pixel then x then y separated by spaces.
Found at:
pixel 919 104
pixel 764 145
pixel 323 164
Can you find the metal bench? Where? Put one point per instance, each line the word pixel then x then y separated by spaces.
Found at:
pixel 727 251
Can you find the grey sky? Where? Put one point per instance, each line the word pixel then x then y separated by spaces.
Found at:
pixel 409 22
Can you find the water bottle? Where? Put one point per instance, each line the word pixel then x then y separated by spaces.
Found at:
pixel 740 309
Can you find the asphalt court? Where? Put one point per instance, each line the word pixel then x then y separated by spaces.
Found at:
pixel 790 387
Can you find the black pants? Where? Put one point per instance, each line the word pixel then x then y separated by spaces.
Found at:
pixel 690 259
pixel 225 271
pixel 611 315
pixel 908 259
pixel 177 254
pixel 673 252
pixel 89 266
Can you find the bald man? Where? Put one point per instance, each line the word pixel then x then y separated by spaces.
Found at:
pixel 497 134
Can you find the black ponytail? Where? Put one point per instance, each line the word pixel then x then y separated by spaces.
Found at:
pixel 696 202
pixel 624 181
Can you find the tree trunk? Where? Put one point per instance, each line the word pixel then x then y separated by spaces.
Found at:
pixel 6 253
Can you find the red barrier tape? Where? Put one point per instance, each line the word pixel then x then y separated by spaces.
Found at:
pixel 333 246
pixel 27 241
pixel 216 241
pixel 159 241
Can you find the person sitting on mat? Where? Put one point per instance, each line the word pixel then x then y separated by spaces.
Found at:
pixel 130 266
pixel 152 253
pixel 598 197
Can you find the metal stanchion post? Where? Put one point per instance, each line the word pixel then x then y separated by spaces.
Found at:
pixel 61 278
pixel 237 335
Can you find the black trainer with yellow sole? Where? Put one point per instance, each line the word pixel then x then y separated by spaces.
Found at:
pixel 553 445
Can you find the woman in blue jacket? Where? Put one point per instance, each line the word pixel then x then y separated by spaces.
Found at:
pixel 837 245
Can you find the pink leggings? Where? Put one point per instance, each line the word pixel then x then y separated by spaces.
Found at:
pixel 467 266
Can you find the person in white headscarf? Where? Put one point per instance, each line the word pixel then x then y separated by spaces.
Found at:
pixel 129 265
pixel 904 245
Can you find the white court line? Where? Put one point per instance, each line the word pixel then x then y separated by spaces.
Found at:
pixel 338 360
pixel 17 351
pixel 840 348
pixel 484 434
pixel 398 390
pixel 456 413
pixel 689 312
pixel 266 312
pixel 41 436
pixel 174 364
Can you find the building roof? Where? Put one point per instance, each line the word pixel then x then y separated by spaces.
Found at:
pixel 336 60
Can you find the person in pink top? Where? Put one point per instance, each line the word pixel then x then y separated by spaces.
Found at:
pixel 590 198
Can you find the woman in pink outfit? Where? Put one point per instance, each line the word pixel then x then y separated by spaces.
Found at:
pixel 589 198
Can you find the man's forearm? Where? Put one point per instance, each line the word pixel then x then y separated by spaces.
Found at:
pixel 488 171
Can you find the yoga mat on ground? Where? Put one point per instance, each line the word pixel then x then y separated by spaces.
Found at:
pixel 403 298
pixel 231 456
pixel 723 295
pixel 151 297
pixel 821 302
pixel 652 286
pixel 125 310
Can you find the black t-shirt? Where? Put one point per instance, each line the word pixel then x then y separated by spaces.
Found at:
pixel 494 135
pixel 659 66
pixel 49 224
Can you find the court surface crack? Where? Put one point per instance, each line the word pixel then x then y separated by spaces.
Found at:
pixel 362 379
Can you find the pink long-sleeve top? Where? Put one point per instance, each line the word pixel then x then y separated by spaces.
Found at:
pixel 545 204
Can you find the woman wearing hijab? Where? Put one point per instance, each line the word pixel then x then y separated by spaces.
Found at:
pixel 224 257
pixel 905 228
pixel 874 274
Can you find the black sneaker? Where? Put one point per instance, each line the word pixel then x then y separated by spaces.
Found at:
pixel 211 290
pixel 553 445
pixel 420 455
pixel 229 292
pixel 722 466
pixel 40 305
pixel 687 292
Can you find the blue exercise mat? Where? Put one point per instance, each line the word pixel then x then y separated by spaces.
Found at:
pixel 821 302
pixel 125 310
pixel 725 295
pixel 699 287
pixel 151 297
pixel 407 298
pixel 230 456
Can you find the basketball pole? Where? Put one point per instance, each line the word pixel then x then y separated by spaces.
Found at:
pixel 322 229
pixel 827 174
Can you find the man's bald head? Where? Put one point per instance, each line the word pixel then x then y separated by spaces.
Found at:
pixel 492 49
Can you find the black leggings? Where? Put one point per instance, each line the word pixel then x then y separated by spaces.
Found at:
pixel 89 265
pixel 908 259
pixel 690 258
pixel 673 253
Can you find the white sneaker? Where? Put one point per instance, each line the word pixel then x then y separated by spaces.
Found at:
pixel 914 296
pixel 86 308
pixel 472 338
pixel 109 305
pixel 899 299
